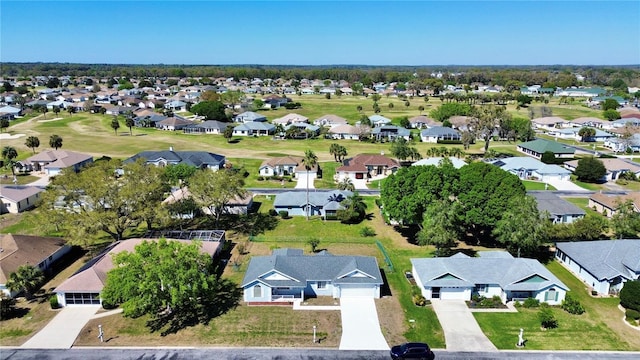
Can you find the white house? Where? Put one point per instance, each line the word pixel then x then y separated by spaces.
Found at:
pixel 494 273
pixel 16 199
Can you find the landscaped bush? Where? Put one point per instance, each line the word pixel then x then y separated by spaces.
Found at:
pixel 367 232
pixel 419 300
pixel 547 319
pixel 273 212
pixel 53 301
pixel 261 178
pixel 531 303
pixel 283 214
pixel 483 302
pixel 595 292
pixel 632 314
pixel 630 295
pixel 572 306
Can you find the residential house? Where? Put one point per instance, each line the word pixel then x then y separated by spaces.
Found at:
pixel 176 105
pixel 437 161
pixel 574 134
pixel 53 162
pixel 302 130
pixel 287 275
pixel 15 199
pixel 390 133
pixel 199 159
pixel 11 110
pixel 421 122
pixel 439 133
pixel 589 122
pixel 379 120
pixel 608 204
pixel 330 121
pixel 346 131
pixel 149 121
pixel 206 127
pixel 560 210
pixel 85 285
pixel 281 166
pixel 615 167
pixel 493 273
pixel 250 116
pixel 291 118
pixel 579 92
pixel 37 251
pixel 549 122
pixel 536 148
pixel 460 123
pixel 622 145
pixel 527 168
pixel 254 128
pixel 366 166
pixel 173 124
pixel 239 205
pixel 321 203
pixel 603 265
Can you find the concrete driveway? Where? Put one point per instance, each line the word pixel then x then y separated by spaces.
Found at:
pixel 63 329
pixel 302 180
pixel 461 331
pixel 360 325
pixel 565 185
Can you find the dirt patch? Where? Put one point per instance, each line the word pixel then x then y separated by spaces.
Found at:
pixel 391 317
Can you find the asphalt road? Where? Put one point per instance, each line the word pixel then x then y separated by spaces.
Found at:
pixel 284 354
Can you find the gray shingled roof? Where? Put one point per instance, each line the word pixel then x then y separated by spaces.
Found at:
pixel 440 131
pixel 194 158
pixel 330 200
pixel 605 259
pixel 501 269
pixel 321 267
pixel 555 205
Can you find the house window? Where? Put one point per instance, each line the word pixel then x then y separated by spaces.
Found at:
pixel 257 291
pixel 481 288
pixel 552 295
pixel 322 284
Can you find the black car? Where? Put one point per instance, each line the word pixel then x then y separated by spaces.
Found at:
pixel 412 351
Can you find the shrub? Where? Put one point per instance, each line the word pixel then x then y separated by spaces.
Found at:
pixel 7 306
pixel 283 214
pixel 595 292
pixel 53 301
pixel 273 212
pixel 630 295
pixel 493 302
pixel 572 306
pixel 632 314
pixel 419 300
pixel 547 319
pixel 367 232
pixel 531 303
pixel 260 178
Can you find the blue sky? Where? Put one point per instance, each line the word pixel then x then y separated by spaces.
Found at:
pixel 322 32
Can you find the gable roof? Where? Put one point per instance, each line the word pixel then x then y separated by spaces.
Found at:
pixel 251 116
pixel 329 200
pixel 614 201
pixel 421 119
pixel 344 129
pixel 59 158
pixel 330 119
pixel 605 259
pixel 435 161
pixel 255 126
pixel 502 269
pixel 290 118
pixel 18 193
pixel 541 146
pixel 554 205
pixel 612 165
pixel 18 250
pixel 361 161
pixel 548 120
pixel 513 164
pixel 297 269
pixel 282 161
pixel 211 124
pixel 195 158
pixel 440 131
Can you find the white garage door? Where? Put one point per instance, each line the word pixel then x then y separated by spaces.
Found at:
pixel 356 291
pixel 452 294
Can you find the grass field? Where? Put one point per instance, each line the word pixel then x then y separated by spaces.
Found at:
pixel 537 185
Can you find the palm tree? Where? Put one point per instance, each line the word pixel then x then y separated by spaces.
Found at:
pixel 32 142
pixel 115 124
pixel 130 123
pixel 333 150
pixel 346 184
pixel 9 153
pixel 228 133
pixel 309 161
pixel 55 141
pixel 26 278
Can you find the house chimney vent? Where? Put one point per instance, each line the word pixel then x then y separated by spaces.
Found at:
pixel 170 148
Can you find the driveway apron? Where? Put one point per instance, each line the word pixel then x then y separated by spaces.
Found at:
pixel 63 329
pixel 461 331
pixel 360 325
pixel 302 180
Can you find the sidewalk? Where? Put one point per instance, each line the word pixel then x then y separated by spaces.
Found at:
pixel 63 329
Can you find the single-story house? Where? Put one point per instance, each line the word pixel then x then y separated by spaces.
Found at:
pixel 494 273
pixel 330 120
pixel 608 204
pixel 53 162
pixel 173 123
pixel 436 161
pixel 12 110
pixel 304 130
pixel 324 203
pixel 346 131
pixel 366 166
pixel 529 168
pixel 199 159
pixel 573 133
pixel 16 199
pixel 621 145
pixel 615 167
pixel 84 287
pixel 176 105
pixel 537 147
pixel 559 209
pixel 250 116
pixel 549 122
pixel 288 275
pixel 18 250
pixel 421 121
pixel 240 205
pixel 439 133
pixel 254 128
pixel 206 127
pixel 291 118
pixel 589 121
pixel 604 265
pixel 286 165
pixel 390 133
pixel 379 120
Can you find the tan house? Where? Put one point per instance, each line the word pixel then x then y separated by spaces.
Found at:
pixel 53 162
pixel 15 199
pixel 37 251
pixel 367 166
pixel 609 204
pixel 283 166
pixel 615 167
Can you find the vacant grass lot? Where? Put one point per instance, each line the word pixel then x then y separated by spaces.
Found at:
pixel 600 328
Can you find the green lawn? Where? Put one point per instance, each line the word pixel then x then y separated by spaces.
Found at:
pixel 583 203
pixel 599 328
pixel 537 185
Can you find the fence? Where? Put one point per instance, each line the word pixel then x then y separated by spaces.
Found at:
pixel 387 259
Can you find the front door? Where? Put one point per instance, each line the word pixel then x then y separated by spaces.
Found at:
pixel 435 293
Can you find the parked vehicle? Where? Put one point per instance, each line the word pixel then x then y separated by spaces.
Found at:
pixel 412 351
